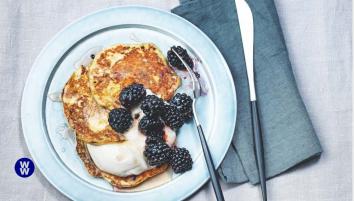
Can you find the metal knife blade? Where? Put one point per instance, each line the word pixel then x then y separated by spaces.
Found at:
pixel 245 19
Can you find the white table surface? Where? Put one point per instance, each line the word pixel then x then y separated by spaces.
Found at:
pixel 318 36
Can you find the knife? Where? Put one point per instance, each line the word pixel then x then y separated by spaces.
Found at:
pixel 245 20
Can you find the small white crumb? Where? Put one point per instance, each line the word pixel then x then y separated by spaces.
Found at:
pixel 55 97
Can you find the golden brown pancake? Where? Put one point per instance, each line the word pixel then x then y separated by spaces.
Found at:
pixel 85 116
pixel 90 93
pixel 121 65
pixel 119 182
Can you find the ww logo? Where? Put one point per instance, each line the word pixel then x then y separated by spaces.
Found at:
pixel 24 167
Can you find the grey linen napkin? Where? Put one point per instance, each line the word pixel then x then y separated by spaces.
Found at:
pixel 289 137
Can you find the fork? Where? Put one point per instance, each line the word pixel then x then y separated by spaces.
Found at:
pixel 209 161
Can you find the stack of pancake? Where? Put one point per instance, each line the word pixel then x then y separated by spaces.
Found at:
pixel 91 92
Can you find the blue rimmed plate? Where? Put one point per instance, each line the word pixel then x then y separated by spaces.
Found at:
pixel 43 121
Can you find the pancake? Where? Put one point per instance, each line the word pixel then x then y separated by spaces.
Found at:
pixel 121 65
pixel 91 92
pixel 119 182
pixel 84 115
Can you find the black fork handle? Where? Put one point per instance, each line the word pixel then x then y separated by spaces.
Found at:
pixel 258 142
pixel 209 161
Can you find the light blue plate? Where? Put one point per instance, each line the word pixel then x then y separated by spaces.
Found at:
pixel 43 119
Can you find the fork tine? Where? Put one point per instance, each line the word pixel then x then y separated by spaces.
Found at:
pixel 195 80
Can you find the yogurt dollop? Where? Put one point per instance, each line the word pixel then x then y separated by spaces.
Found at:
pixel 126 158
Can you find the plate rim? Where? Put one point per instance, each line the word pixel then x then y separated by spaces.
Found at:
pixel 28 79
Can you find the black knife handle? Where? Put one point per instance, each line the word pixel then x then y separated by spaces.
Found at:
pixel 258 144
pixel 210 164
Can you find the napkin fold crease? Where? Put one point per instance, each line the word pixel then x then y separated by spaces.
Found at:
pixel 288 134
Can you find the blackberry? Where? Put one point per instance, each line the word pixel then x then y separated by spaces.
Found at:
pixel 175 61
pixel 157 153
pixel 181 161
pixel 132 95
pixel 156 132
pixel 150 124
pixel 153 139
pixel 152 105
pixel 120 119
pixel 172 117
pixel 183 102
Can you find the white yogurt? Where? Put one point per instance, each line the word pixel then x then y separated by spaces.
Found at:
pixel 126 158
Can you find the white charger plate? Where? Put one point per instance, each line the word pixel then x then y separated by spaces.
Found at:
pixel 43 119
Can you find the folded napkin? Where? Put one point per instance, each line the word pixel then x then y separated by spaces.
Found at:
pixel 288 135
